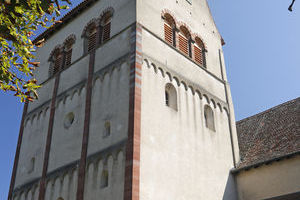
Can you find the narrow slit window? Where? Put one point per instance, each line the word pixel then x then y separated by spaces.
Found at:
pixel 209 118
pixel 107 129
pixel 167 98
pixel 171 96
pixel 31 165
pixel 104 179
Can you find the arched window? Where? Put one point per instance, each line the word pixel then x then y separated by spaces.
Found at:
pixel 104 179
pixel 185 41
pixel 68 50
pixel 170 30
pixel 107 129
pixel 209 117
pixel 199 52
pixel 170 96
pixel 91 37
pixel 105 26
pixel 56 60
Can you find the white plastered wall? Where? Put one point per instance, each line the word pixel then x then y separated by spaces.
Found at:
pixel 180 157
pixel 267 181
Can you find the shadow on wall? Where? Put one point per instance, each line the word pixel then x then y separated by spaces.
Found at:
pixel 230 192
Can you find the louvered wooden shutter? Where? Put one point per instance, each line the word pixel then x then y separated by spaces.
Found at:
pixel 168 34
pixel 92 41
pixel 57 64
pixel 68 57
pixel 183 44
pixel 198 55
pixel 106 32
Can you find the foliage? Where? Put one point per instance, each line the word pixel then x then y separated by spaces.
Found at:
pixel 18 21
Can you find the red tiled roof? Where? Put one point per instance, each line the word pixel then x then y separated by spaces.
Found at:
pixel 271 134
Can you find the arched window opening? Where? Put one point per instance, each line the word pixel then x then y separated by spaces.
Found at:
pixel 56 62
pixel 107 129
pixel 60 198
pixel 170 29
pixel 171 96
pixel 91 38
pixel 199 52
pixel 185 41
pixel 209 118
pixel 104 179
pixel 105 27
pixel 68 54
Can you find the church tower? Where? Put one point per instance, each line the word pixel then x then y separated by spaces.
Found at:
pixel 134 105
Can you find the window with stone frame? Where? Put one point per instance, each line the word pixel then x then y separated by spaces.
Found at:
pixel 185 41
pixel 170 29
pixel 105 27
pixel 199 52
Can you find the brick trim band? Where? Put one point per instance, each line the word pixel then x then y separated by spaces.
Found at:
pixel 16 161
pixel 49 139
pixel 132 162
pixel 85 137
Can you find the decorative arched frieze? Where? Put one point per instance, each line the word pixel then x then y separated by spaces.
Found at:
pixel 184 84
pixel 169 76
pixel 207 98
pixel 199 94
pixel 220 107
pixel 147 63
pixel 192 89
pixel 154 68
pixel 176 80
pixel 214 103
pixel 161 72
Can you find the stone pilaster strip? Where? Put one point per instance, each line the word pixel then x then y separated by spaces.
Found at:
pixel 49 139
pixel 132 166
pixel 85 137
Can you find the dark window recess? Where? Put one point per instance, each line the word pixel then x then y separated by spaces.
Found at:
pixel 68 57
pixel 167 98
pixel 57 63
pixel 92 41
pixel 106 32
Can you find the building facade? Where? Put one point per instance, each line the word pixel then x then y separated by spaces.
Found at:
pixel 135 104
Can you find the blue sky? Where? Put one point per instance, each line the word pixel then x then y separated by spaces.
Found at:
pixel 262 55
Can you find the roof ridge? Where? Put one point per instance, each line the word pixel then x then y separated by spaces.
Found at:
pixel 268 110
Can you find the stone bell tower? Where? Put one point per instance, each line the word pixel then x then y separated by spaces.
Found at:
pixel 134 105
